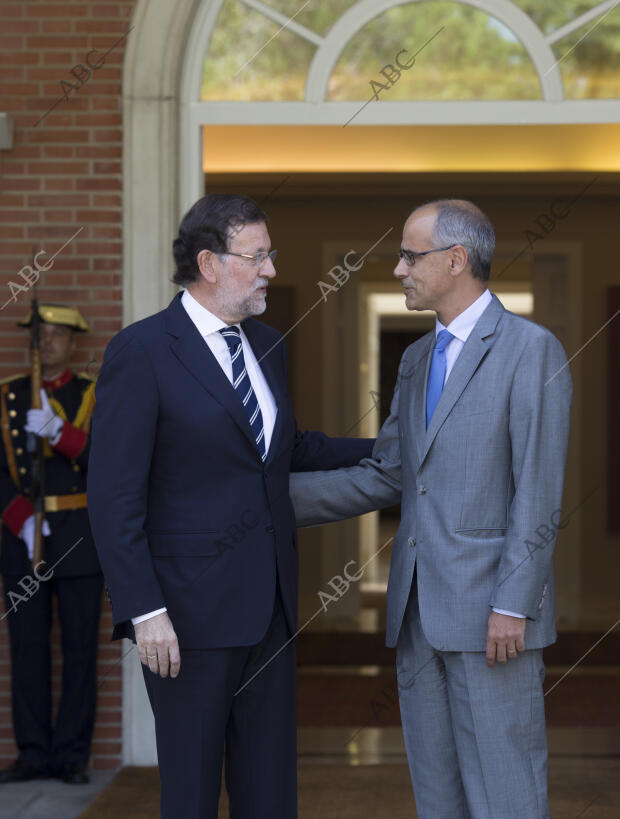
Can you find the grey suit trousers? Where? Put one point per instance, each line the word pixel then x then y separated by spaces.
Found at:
pixel 475 736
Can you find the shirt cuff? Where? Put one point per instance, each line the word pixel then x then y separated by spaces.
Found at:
pixel 136 620
pixel 71 442
pixel 17 511
pixel 510 613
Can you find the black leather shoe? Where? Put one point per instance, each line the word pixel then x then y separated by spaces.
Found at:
pixel 74 774
pixel 19 771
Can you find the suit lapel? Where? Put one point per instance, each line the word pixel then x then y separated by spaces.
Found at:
pixel 474 350
pixel 194 354
pixel 417 376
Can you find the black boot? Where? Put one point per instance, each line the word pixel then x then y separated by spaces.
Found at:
pixel 74 773
pixel 20 771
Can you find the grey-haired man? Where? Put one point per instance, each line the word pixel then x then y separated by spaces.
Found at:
pixel 475 450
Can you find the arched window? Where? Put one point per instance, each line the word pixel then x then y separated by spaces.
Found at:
pixel 470 50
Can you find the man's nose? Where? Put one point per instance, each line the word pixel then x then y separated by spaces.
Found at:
pixel 268 270
pixel 401 271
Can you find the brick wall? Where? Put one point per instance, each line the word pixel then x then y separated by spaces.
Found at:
pixel 62 176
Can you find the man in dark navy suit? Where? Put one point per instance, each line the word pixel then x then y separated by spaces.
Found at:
pixel 193 440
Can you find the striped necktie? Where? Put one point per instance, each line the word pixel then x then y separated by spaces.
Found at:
pixel 243 386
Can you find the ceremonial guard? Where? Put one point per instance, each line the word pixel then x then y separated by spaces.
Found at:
pixel 47 548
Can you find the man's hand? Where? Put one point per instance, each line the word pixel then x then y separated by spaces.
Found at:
pixel 505 637
pixel 27 534
pixel 44 421
pixel 158 645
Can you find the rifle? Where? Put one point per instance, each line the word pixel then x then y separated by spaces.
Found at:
pixel 35 442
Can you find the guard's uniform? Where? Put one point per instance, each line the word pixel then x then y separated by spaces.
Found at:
pixel 72 570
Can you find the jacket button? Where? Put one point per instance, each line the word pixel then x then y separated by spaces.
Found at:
pixel 11 396
pixel 76 468
pixel 12 413
pixel 22 470
pixel 19 451
pixel 421 490
pixel 270 529
pixel 14 433
pixel 411 541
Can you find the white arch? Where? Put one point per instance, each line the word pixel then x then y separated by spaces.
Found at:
pixel 355 18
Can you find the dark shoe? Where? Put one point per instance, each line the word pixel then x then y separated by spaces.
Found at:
pixel 74 774
pixel 19 772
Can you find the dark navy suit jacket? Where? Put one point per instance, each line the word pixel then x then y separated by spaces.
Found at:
pixel 184 512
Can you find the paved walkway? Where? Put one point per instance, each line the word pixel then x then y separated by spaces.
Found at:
pixel 50 798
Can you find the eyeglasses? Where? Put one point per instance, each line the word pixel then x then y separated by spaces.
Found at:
pixel 410 255
pixel 258 260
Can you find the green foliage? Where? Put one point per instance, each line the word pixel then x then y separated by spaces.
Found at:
pixel 475 57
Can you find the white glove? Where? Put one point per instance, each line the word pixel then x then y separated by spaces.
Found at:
pixel 27 534
pixel 44 421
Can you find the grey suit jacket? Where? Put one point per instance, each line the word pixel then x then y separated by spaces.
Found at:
pixel 480 488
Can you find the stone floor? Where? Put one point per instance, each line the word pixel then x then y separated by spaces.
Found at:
pixel 346 774
pixel 50 798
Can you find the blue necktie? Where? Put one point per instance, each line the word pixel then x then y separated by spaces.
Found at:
pixel 437 375
pixel 243 386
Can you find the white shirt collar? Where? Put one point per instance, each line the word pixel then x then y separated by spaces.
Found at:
pixel 205 321
pixel 464 323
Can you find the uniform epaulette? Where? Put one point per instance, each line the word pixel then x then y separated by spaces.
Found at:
pixel 7 379
pixel 87 376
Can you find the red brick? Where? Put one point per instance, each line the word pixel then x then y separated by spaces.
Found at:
pixel 57 26
pixel 107 200
pixel 58 199
pixel 85 216
pixel 96 248
pixel 106 232
pixel 95 26
pixel 59 216
pixel 64 168
pixel 25 151
pixel 60 152
pixel 20 184
pixel 59 184
pixel 111 135
pixel 20 26
pixel 19 58
pixel 106 763
pixel 11 232
pixel 16 10
pixel 12 43
pixel 107 167
pixel 12 103
pixel 47 10
pixel 72 41
pixel 109 10
pixel 98 119
pixel 20 215
pixel 52 279
pixel 10 74
pixel 41 134
pixel 64 58
pixel 97 183
pixel 20 89
pixel 99 152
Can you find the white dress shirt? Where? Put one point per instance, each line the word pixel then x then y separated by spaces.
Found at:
pixel 209 325
pixel 461 327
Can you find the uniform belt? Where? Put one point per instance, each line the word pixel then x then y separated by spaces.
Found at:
pixel 56 503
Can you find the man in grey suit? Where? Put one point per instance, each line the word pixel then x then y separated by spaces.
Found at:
pixel 475 450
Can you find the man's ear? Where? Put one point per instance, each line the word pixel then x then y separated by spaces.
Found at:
pixel 458 259
pixel 207 261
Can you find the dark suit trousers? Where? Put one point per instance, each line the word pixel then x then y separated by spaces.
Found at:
pixel 238 702
pixel 40 745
